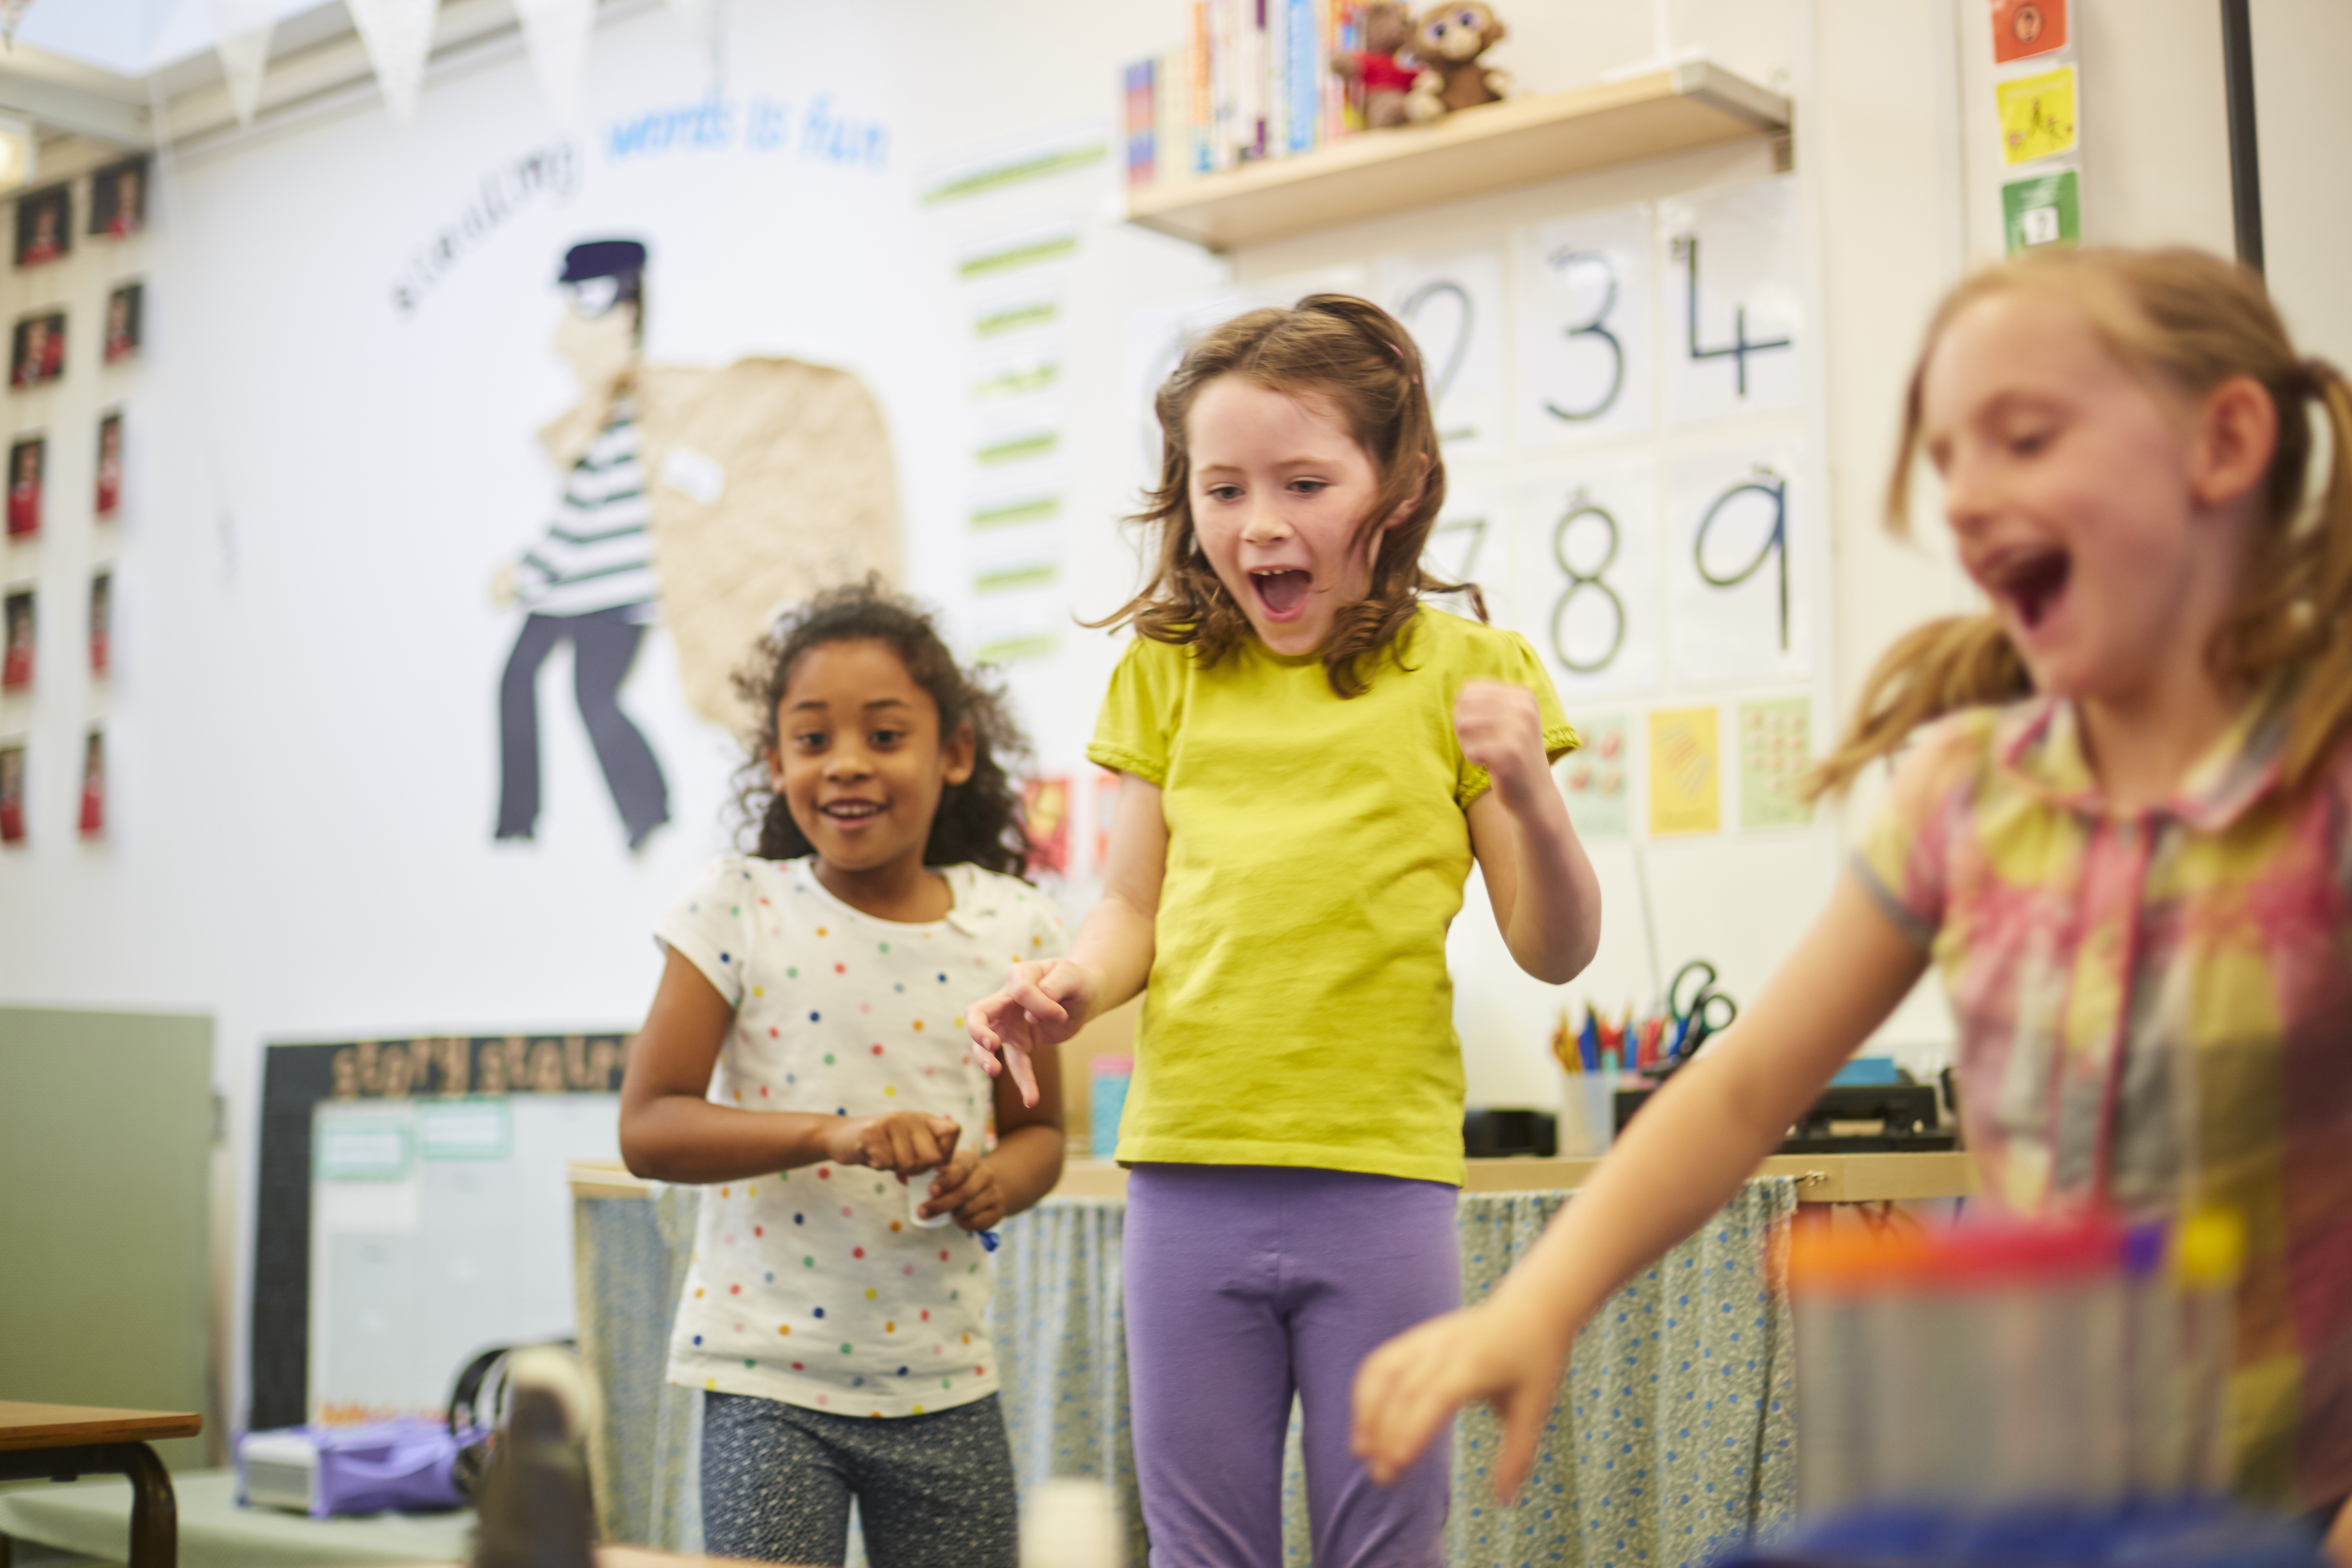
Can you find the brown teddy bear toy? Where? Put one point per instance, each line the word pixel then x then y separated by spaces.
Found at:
pixel 1447 44
pixel 1388 28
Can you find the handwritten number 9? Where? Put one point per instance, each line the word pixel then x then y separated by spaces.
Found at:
pixel 1775 546
pixel 1562 263
pixel 1578 582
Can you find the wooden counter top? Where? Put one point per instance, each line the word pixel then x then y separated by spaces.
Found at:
pixel 1820 1178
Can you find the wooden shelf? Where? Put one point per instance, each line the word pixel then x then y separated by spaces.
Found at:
pixel 1516 143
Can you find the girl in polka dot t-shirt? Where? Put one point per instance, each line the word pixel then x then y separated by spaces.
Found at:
pixel 805 1060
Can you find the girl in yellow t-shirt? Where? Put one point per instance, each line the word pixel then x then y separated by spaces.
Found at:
pixel 1311 758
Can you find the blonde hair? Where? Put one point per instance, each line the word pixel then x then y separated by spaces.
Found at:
pixel 2187 321
pixel 1356 355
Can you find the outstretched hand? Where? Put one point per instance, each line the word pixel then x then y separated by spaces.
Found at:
pixel 1039 1006
pixel 1412 1385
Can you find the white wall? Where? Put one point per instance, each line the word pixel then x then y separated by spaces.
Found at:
pixel 303 723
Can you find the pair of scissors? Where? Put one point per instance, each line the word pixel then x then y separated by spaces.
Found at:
pixel 1705 1011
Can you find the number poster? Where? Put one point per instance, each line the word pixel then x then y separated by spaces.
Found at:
pixel 1620 397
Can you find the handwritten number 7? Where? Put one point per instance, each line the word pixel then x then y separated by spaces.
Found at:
pixel 1776 542
pixel 1591 328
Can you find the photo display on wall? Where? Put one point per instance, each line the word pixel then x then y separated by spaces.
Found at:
pixel 12 791
pixel 37 349
pixel 27 463
pixel 118 199
pixel 44 225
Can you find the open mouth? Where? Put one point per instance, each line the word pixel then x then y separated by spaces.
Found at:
pixel 2033 583
pixel 851 810
pixel 1283 592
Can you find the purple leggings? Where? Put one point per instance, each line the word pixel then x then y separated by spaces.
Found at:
pixel 1245 1283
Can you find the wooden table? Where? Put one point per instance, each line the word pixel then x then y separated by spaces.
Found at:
pixel 66 1442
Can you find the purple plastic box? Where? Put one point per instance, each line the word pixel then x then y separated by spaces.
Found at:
pixel 403 1465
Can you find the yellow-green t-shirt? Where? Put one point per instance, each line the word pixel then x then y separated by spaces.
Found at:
pixel 1298 1011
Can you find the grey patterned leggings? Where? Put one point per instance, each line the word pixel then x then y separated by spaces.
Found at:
pixel 933 1491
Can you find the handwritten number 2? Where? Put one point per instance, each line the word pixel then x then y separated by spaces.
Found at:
pixel 1583 511
pixel 1592 326
pixel 1776 541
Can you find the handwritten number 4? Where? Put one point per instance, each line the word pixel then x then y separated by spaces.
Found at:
pixel 1686 251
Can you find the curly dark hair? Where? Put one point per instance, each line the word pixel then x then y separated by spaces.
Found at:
pixel 1360 358
pixel 979 820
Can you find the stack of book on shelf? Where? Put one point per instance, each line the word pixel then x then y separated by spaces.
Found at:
pixel 1252 80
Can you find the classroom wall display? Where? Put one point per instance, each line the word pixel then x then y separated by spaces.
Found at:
pixel 1046 816
pixel 107 501
pixel 1583 327
pixel 1685 772
pixel 1589 560
pixel 1453 309
pixel 101 622
pixel 37 349
pixel 299 1078
pixel 27 461
pixel 1012 217
pixel 1739 608
pixel 118 198
pixel 12 792
pixel 125 322
pixel 44 225
pixel 438 1227
pixel 722 495
pixel 1776 739
pixel 2038 97
pixel 16 663
pixel 1734 342
pixel 1596 778
pixel 93 785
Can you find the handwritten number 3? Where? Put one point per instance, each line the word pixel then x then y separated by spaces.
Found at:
pixel 1578 582
pixel 1591 328
pixel 1776 542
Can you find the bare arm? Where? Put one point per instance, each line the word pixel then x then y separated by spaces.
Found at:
pixel 670 1132
pixel 1547 901
pixel 1677 1163
pixel 1042 1005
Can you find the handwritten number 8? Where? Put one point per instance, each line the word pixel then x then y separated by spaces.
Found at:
pixel 1776 542
pixel 1578 582
pixel 1591 328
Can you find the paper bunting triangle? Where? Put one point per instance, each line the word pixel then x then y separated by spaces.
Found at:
pixel 398 34
pixel 555 32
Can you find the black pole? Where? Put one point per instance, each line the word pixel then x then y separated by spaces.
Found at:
pixel 2245 160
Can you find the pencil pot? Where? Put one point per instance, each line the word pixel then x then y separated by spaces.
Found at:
pixel 1105 1099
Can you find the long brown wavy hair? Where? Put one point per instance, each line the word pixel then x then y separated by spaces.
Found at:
pixel 979 821
pixel 1356 355
pixel 2185 321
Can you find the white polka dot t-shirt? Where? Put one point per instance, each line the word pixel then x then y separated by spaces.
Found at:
pixel 814 1286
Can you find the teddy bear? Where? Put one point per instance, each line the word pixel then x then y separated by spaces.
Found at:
pixel 1446 44
pixel 1388 28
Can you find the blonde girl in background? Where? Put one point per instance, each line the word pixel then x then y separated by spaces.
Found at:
pixel 1312 758
pixel 2120 825
pixel 803 1063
